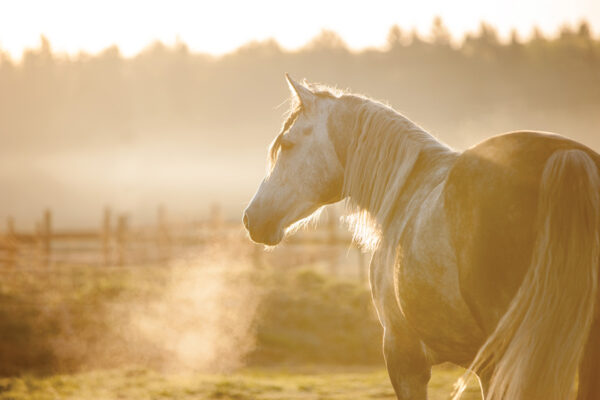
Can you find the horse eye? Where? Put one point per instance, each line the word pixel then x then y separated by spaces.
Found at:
pixel 286 144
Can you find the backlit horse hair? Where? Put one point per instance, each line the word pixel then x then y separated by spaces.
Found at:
pixel 381 156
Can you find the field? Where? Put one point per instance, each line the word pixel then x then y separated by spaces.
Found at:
pixel 138 280
pixel 297 383
pixel 214 326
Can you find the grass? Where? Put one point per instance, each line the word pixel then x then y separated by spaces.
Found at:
pixel 72 319
pixel 296 383
pixel 68 334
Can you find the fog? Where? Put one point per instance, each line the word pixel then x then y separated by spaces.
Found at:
pixel 188 130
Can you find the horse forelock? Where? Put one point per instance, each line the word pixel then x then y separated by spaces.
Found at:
pixel 295 111
pixel 275 146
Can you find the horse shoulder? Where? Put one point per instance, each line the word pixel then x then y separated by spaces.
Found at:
pixel 427 285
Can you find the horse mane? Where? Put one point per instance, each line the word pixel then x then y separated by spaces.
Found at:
pixel 384 150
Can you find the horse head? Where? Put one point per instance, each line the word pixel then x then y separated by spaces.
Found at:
pixel 304 170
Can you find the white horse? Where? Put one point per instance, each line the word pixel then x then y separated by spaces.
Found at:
pixel 488 258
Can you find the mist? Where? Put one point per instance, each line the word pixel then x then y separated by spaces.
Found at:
pixel 187 130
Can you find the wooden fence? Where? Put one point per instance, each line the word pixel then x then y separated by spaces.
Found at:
pixel 117 243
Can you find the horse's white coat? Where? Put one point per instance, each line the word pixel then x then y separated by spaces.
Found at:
pixel 427 273
pixel 306 170
pixel 394 176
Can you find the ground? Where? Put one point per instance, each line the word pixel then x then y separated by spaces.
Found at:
pixel 295 383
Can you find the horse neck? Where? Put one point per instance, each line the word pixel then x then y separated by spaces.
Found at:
pixel 389 161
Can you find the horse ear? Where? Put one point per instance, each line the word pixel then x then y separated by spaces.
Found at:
pixel 304 94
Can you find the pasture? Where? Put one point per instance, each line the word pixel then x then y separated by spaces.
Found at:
pixel 282 383
pixel 220 324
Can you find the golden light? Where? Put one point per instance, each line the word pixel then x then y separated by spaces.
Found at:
pixel 219 27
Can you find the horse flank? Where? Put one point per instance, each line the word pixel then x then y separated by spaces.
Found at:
pixel 537 345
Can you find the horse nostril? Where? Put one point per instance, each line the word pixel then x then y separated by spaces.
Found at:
pixel 245 220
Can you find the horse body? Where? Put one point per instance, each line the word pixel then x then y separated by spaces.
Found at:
pixel 492 203
pixel 467 247
pixel 461 238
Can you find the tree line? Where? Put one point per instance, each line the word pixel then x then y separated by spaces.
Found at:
pixel 49 100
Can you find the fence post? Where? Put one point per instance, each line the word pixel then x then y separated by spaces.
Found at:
pixel 163 236
pixel 11 239
pixel 37 241
pixel 46 237
pixel 122 239
pixel 105 236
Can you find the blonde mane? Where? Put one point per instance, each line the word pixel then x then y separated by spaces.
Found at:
pixel 381 157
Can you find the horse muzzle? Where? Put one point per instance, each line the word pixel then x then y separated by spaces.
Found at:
pixel 262 230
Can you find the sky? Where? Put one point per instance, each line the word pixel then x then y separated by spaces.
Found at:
pixel 218 27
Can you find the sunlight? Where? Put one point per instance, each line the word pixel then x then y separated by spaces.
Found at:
pixel 220 27
pixel 452 147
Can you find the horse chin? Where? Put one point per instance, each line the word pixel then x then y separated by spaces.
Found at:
pixel 273 232
pixel 272 238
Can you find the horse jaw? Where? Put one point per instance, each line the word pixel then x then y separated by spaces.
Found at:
pixel 268 226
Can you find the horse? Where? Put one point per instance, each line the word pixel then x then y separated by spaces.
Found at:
pixel 486 258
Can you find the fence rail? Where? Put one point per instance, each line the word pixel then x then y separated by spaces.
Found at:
pixel 116 243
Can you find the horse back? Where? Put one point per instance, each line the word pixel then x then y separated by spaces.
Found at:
pixel 491 199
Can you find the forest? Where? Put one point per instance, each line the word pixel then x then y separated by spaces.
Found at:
pixel 168 117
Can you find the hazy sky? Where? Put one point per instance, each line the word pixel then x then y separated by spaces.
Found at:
pixel 219 26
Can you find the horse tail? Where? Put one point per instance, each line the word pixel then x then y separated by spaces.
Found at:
pixel 538 344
